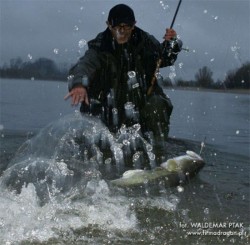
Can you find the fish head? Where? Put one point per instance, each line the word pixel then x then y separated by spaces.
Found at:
pixel 189 164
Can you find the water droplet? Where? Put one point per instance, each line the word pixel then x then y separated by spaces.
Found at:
pixel 70 77
pixel 180 188
pixel 211 60
pixel 235 49
pixel 56 50
pixel 30 56
pixel 1 127
pixel 76 28
pixel 131 74
pixel 151 156
pixel 172 75
pixel 126 142
pixel 129 106
pixel 237 132
pixel 114 110
pixel 136 156
pixel 185 212
pixel 205 11
pixel 82 43
pixel 149 147
pixel 180 65
pixel 164 6
pixel 136 127
pixel 108 161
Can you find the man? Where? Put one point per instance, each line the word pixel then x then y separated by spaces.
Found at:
pixel 117 78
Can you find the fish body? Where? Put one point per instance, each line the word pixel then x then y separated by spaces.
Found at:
pixel 173 172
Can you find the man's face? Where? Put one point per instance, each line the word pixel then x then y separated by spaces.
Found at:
pixel 122 32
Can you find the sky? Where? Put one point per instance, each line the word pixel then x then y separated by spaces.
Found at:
pixel 216 32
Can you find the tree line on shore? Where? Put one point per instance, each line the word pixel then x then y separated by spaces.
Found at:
pixel 234 79
pixel 47 69
pixel 40 69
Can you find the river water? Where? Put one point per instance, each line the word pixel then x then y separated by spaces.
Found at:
pixel 38 129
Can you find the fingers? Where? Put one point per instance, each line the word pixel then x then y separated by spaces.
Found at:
pixel 170 34
pixel 67 96
pixel 76 99
pixel 86 99
pixel 78 95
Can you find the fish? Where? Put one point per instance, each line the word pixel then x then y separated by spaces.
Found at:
pixel 174 172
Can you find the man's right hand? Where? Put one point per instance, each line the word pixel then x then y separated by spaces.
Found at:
pixel 170 34
pixel 78 95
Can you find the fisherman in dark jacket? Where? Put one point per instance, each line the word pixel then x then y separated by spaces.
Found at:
pixel 118 77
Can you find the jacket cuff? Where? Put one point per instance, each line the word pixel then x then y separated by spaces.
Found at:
pixel 75 81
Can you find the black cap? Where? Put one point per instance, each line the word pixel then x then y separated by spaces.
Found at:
pixel 121 13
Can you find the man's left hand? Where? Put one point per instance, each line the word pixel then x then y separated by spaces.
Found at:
pixel 78 95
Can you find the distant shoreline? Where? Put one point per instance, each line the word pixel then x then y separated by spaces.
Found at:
pixel 197 89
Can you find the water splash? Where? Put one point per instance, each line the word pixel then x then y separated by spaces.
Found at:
pixel 23 219
pixel 54 185
pixel 76 147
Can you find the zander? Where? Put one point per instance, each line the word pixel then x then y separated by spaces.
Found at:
pixel 173 172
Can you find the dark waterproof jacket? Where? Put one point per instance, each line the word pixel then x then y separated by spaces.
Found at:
pixel 106 64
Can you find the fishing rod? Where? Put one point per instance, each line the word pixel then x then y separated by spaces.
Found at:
pixel 176 12
pixel 158 64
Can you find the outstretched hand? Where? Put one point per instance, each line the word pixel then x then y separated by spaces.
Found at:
pixel 170 34
pixel 78 95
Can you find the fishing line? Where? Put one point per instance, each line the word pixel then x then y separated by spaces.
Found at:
pixel 203 145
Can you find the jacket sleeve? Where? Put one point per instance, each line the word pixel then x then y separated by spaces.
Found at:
pixel 86 67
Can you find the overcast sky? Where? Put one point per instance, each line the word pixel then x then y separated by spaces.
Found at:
pixel 215 31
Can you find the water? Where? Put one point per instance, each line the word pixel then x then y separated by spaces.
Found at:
pixel 58 207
